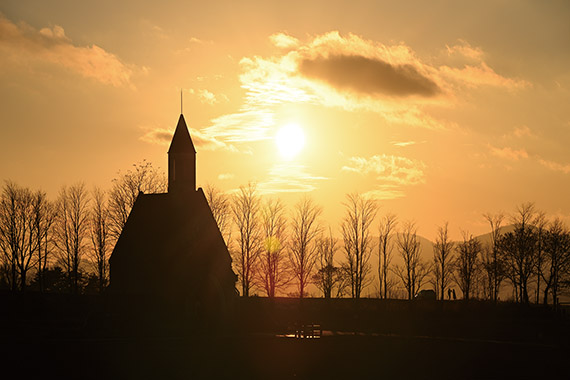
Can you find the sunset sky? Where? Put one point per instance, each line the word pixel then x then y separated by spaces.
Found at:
pixel 441 110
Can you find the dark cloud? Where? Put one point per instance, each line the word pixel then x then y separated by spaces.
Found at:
pixel 369 76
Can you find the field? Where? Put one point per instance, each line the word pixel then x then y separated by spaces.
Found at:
pixel 76 337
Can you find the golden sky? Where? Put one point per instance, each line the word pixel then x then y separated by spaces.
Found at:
pixel 440 110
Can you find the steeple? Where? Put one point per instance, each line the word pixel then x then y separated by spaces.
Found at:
pixel 181 160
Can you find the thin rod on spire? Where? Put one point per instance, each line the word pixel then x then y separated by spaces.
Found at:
pixel 181 102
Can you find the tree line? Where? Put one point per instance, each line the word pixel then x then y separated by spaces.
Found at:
pixel 64 245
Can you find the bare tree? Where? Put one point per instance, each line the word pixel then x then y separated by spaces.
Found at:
pixel 273 273
pixel 467 264
pixel 328 275
pixel 360 213
pixel 442 260
pixel 492 262
pixel 245 211
pixel 385 246
pixel 414 271
pixel 18 241
pixel 557 259
pixel 126 188
pixel 540 227
pixel 43 215
pixel 519 250
pixel 99 223
pixel 302 249
pixel 71 230
pixel 221 210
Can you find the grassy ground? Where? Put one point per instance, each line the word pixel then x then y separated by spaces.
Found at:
pixel 82 338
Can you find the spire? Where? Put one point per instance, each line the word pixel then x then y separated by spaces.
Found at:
pixel 181 161
pixel 181 141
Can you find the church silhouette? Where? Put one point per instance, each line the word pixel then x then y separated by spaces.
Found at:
pixel 171 247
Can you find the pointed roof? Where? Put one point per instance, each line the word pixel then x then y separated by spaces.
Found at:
pixel 181 141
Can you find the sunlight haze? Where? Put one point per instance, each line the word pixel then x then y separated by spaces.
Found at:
pixel 441 111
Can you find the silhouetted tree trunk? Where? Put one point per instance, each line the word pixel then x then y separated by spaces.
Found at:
pixel 519 250
pixel 492 262
pixel 18 241
pixel 99 223
pixel 360 213
pixel 414 271
pixel 385 246
pixel 302 250
pixel 467 264
pixel 442 258
pixel 126 188
pixel 245 210
pixel 273 273
pixel 557 259
pixel 540 224
pixel 43 218
pixel 327 275
pixel 71 229
pixel 221 210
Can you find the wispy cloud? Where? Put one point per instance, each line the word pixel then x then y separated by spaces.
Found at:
pixel 201 140
pixel 406 143
pixel 207 97
pixel 24 44
pixel 226 176
pixel 508 153
pixel 555 166
pixel 389 169
pixel 289 178
pixel 465 49
pixel 385 192
pixel 284 41
pixel 482 75
pixel 520 132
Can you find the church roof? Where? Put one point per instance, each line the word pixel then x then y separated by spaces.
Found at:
pixel 168 241
pixel 181 141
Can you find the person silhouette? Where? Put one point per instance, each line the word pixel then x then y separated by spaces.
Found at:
pixel 454 297
pixel 449 293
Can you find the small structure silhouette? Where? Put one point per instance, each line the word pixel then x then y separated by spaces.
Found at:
pixel 171 248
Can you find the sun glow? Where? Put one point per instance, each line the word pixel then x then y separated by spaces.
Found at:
pixel 290 139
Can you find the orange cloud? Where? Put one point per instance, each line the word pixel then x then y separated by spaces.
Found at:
pixel 555 166
pixel 289 178
pixel 368 75
pixel 508 153
pixel 201 140
pixel 482 75
pixel 23 44
pixel 388 168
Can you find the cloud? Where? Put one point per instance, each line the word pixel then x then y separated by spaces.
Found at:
pixel 25 45
pixel 406 143
pixel 464 49
pixel 226 176
pixel 482 75
pixel 200 139
pixel 522 131
pixel 207 97
pixel 389 169
pixel 508 153
pixel 351 73
pixel 289 178
pixel 385 193
pixel 555 166
pixel 284 41
pixel 369 76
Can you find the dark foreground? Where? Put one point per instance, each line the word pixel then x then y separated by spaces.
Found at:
pixel 68 337
pixel 264 357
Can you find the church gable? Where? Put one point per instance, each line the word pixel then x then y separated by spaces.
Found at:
pixel 171 242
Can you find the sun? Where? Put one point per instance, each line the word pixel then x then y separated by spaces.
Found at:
pixel 290 140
